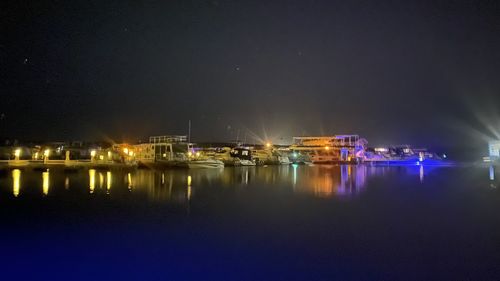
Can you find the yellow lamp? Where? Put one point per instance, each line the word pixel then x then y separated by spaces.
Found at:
pixel 17 153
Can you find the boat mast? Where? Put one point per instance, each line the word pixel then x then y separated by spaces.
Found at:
pixel 189 131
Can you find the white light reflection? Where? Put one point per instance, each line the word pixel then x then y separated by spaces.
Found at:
pixel 421 173
pixel 492 173
pixel 294 166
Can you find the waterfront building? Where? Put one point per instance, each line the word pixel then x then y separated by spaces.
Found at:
pixel 494 150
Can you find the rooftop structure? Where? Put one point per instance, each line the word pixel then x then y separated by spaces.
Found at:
pixel 332 141
pixel 330 148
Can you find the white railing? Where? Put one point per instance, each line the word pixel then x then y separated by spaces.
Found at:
pixel 167 139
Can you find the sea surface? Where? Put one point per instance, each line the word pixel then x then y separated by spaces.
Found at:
pixel 257 223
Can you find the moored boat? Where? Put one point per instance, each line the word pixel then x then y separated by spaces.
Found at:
pixel 404 155
pixel 203 164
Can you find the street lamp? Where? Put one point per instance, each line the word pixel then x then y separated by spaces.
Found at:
pixel 17 153
pixel 46 155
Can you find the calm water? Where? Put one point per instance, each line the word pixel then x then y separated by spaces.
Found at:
pixel 258 223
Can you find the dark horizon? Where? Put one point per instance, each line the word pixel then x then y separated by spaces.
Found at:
pixel 417 72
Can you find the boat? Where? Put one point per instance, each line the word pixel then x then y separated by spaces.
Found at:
pixel 244 162
pixel 201 164
pixel 243 155
pixel 238 156
pixel 284 160
pixel 328 149
pixel 171 151
pixel 404 155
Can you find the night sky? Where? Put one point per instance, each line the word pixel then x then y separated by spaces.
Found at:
pixel 422 72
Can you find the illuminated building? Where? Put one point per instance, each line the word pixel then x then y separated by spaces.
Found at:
pixel 494 150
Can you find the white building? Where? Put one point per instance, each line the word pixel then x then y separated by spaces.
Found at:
pixel 494 149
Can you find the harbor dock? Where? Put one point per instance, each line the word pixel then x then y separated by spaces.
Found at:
pixel 175 151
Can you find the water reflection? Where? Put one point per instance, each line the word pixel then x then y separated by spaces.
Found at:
pixel 101 180
pixel 188 192
pixel 108 181
pixel 182 186
pixel 45 182
pixel 421 173
pixel 16 182
pixel 321 181
pixel 327 181
pixel 91 180
pixel 129 181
